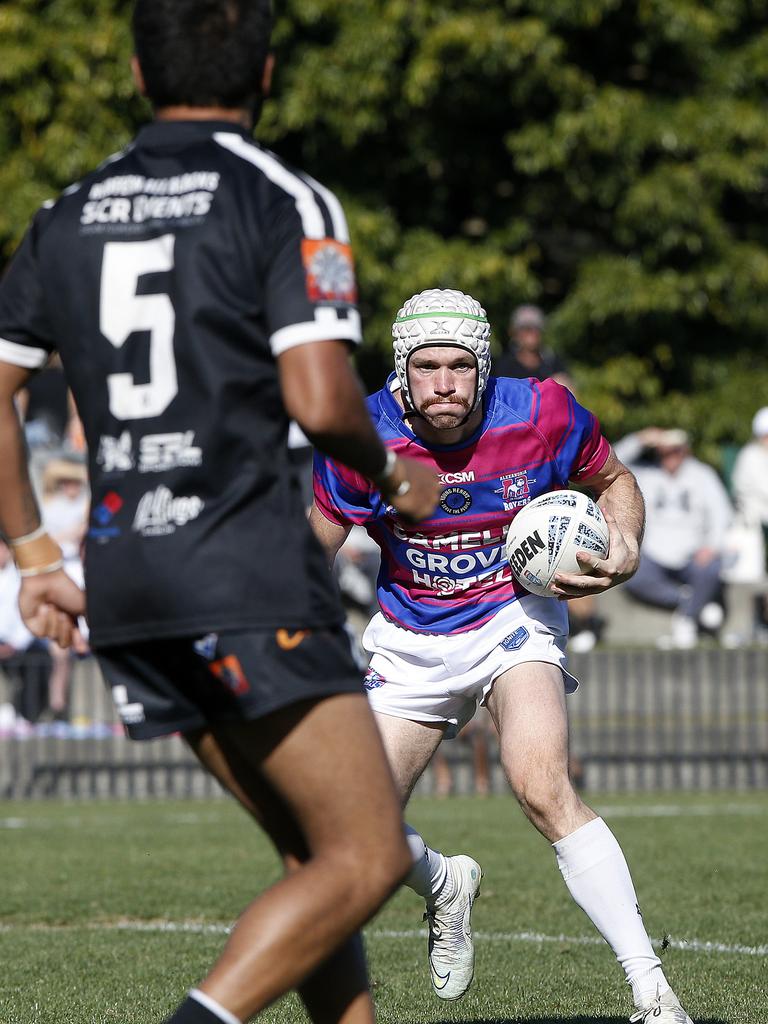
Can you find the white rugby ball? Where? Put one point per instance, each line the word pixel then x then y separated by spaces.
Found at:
pixel 546 534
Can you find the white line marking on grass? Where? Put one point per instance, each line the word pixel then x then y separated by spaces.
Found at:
pixel 537 938
pixel 681 810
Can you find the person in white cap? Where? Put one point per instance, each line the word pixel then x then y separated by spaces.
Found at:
pixel 749 483
pixel 688 512
pixel 455 628
pixel 750 473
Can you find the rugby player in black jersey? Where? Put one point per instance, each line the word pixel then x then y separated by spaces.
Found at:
pixel 200 292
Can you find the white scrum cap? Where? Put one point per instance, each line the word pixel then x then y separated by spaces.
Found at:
pixel 442 316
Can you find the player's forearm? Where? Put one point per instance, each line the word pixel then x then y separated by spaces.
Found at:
pixel 623 498
pixel 19 513
pixel 323 394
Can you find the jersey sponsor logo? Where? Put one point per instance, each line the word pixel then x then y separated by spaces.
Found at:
pixel 525 551
pixel 373 679
pixel 456 540
pixel 158 452
pixel 330 271
pixel 449 575
pixel 115 454
pixel 515 489
pixel 134 199
pixel 102 516
pixel 160 512
pixel 230 672
pixel 455 500
pixel 515 640
pixel 289 641
pixel 467 476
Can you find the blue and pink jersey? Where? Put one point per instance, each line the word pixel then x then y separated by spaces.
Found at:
pixel 449 573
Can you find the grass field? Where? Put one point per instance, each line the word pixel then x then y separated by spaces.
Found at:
pixel 110 911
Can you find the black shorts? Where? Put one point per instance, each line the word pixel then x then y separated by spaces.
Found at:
pixel 179 684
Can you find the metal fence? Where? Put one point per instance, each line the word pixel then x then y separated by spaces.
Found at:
pixel 641 720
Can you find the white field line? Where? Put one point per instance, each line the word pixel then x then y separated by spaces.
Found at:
pixel 607 811
pixel 532 938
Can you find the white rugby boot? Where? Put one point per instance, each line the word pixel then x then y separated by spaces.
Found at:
pixel 663 1009
pixel 451 952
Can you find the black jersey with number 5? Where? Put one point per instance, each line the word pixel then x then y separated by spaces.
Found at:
pixel 169 280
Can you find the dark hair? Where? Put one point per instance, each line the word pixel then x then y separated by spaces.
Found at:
pixel 202 53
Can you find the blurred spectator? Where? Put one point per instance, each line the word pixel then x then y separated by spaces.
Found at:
pixel 23 659
pixel 749 482
pixel 750 473
pixel 688 513
pixel 526 355
pixel 64 508
pixel 48 411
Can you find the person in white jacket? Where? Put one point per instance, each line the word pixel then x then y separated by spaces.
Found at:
pixel 688 514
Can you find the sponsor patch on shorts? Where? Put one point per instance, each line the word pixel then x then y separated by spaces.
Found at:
pixel 515 640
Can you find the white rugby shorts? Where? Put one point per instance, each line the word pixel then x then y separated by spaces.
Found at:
pixel 429 678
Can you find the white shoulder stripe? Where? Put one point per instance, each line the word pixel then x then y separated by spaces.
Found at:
pixel 308 208
pixel 340 229
pixel 22 355
pixel 317 330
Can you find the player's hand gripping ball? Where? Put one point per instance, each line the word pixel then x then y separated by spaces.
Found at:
pixel 546 534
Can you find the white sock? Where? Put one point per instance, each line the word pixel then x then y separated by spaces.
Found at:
pixel 430 868
pixel 215 1008
pixel 596 873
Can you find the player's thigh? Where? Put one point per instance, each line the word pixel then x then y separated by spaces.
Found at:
pixel 326 762
pixel 242 777
pixel 409 748
pixel 527 704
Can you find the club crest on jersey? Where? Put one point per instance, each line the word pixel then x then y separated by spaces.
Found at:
pixel 515 490
pixel 330 271
pixel 455 500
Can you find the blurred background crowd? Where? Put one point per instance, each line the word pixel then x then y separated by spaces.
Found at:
pixel 594 173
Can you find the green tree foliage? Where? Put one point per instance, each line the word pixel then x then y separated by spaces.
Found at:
pixel 607 159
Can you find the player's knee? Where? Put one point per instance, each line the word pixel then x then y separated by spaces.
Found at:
pixel 544 796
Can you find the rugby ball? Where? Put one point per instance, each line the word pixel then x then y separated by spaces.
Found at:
pixel 546 534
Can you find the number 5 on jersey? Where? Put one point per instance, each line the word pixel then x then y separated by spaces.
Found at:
pixel 123 312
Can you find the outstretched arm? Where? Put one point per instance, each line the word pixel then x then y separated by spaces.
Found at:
pixel 622 505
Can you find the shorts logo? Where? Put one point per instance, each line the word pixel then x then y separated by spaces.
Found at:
pixel 455 500
pixel 288 641
pixel 373 679
pixel 515 490
pixel 103 514
pixel 206 646
pixel 230 672
pixel 131 712
pixel 330 271
pixel 159 512
pixel 515 640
